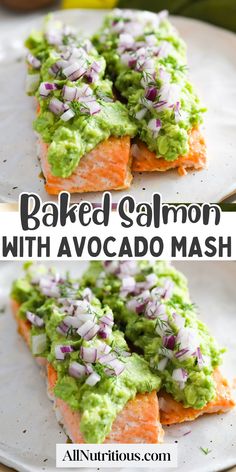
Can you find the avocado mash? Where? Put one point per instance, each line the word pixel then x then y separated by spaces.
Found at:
pixel 96 373
pixel 151 304
pixel 147 60
pixel 77 109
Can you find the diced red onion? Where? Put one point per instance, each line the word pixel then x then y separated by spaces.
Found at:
pixel 161 105
pixel 127 286
pixel 107 319
pixel 62 328
pixel 103 349
pixel 77 370
pixel 88 330
pixel 163 403
pixel 126 41
pixel 168 289
pixel 88 368
pixel 154 309
pixel 104 331
pixel 54 37
pixel 84 91
pixel 46 88
pixel 96 66
pixel 151 94
pixel 178 320
pixel 115 367
pixel 156 292
pixel 151 39
pixel 88 354
pixel 138 304
pixel 169 341
pixel 151 280
pixel 169 93
pixel 200 360
pixel 128 268
pixel 87 294
pixel 93 107
pixel 183 354
pixel 67 115
pixel 82 307
pixel 111 267
pixel 66 349
pixel 83 317
pixel 57 107
pixel 74 71
pixel 73 321
pixel 180 375
pixel 33 61
pixel 61 351
pixel 141 113
pixel 188 339
pixel 34 319
pixel 69 93
pixel 38 344
pixel 155 125
pixel 162 364
pixel 163 351
pixel 107 358
pixel 162 325
pixel 93 379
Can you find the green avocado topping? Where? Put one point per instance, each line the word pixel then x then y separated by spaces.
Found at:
pixel 147 59
pixel 162 322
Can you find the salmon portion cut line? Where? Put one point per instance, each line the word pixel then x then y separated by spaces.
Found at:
pixel 147 161
pixel 138 422
pixel 106 167
pixel 174 412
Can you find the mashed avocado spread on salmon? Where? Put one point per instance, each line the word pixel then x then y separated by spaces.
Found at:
pixel 151 305
pixel 147 60
pixel 77 109
pixel 96 372
pixel 82 329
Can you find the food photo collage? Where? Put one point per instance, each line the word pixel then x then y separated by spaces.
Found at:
pixel 117 131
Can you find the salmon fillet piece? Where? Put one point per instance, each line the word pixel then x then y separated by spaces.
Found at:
pixel 174 412
pixel 138 422
pixel 106 167
pixel 146 161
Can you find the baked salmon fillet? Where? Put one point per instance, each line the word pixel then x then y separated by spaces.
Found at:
pixel 138 422
pixel 106 167
pixel 87 129
pixel 148 60
pixel 149 314
pixel 147 161
pixel 173 412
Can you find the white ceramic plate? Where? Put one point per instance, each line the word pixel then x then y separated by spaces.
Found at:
pixel 212 60
pixel 28 428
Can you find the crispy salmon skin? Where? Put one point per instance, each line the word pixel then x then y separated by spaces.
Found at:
pixel 147 161
pixel 174 412
pixel 106 167
pixel 138 422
